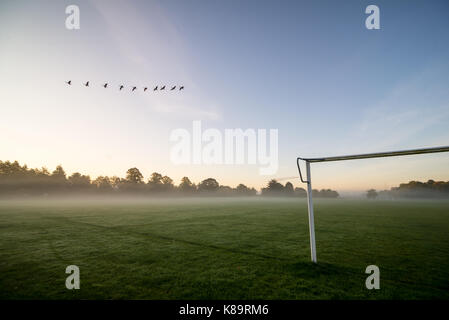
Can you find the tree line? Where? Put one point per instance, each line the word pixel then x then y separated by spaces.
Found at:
pixel 275 188
pixel 413 189
pixel 16 179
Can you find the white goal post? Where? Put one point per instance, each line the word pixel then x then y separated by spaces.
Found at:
pixel 308 161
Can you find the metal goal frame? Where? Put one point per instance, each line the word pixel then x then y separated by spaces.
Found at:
pixel 308 161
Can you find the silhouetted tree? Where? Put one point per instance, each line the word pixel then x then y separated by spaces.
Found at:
pixel 324 193
pixel 186 186
pixel 371 194
pixel 116 182
pixel 417 189
pixel 288 189
pixel 208 185
pixel 241 188
pixel 225 191
pixel 167 184
pixel 273 188
pixel 79 182
pixel 58 180
pixel 103 184
pixel 155 183
pixel 133 175
pixel 59 173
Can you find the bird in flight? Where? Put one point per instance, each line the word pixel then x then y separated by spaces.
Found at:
pixel 156 88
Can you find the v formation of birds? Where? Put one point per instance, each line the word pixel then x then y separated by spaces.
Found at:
pixel 133 88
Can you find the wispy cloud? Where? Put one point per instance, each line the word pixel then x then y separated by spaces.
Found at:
pixel 152 48
pixel 405 114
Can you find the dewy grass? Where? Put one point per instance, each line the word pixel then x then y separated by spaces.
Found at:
pixel 223 249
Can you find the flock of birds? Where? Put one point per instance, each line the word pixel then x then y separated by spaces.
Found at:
pixel 157 88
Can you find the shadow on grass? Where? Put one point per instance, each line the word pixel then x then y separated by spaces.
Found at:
pixel 301 269
pixel 304 269
pixel 124 230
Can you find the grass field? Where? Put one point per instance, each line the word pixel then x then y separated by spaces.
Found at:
pixel 223 249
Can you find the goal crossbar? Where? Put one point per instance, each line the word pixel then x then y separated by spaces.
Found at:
pixel 308 180
pixel 378 154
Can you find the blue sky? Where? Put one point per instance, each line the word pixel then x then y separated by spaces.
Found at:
pixel 307 68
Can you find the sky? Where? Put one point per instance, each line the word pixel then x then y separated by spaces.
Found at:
pixel 310 69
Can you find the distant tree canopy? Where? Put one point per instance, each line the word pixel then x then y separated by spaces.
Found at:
pixel 245 191
pixel 77 180
pixel 22 181
pixel 274 188
pixel 208 185
pixel 417 189
pixel 371 194
pixel 186 186
pixel 325 193
pixel 19 180
pixel 133 175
